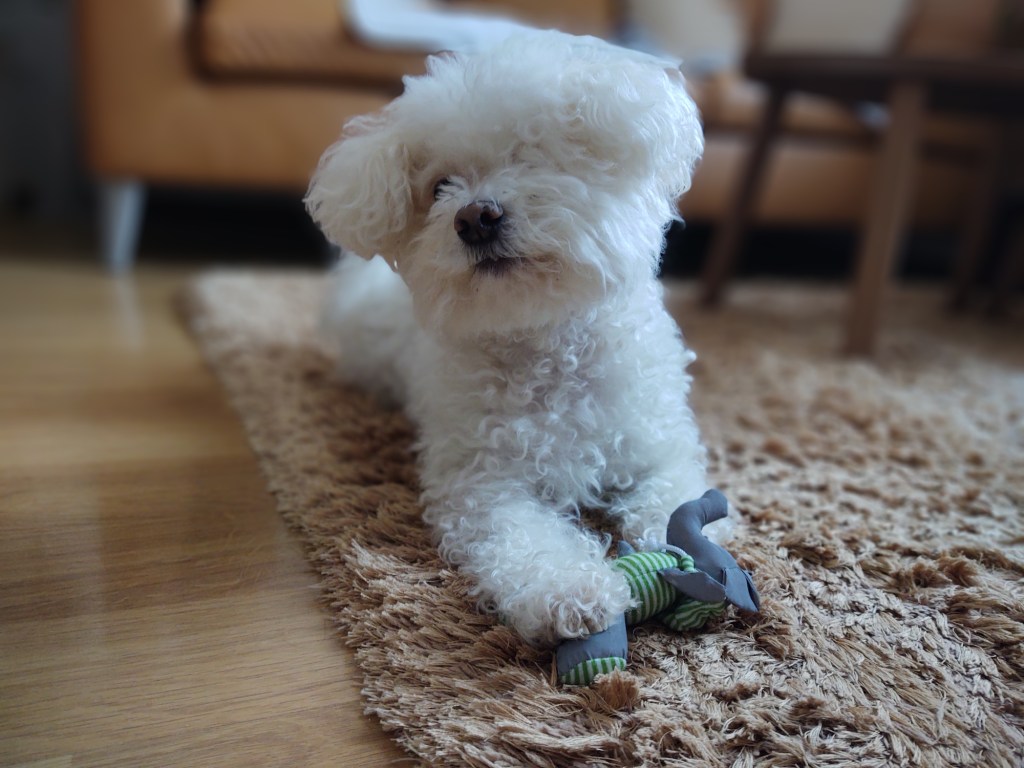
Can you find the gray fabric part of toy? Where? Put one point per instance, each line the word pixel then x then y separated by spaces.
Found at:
pixel 719 576
pixel 611 642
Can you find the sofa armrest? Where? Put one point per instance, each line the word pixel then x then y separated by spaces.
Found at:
pixel 128 54
pixel 149 115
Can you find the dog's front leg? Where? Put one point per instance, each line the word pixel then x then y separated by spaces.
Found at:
pixel 536 568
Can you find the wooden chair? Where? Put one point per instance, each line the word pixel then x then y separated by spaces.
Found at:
pixel 916 76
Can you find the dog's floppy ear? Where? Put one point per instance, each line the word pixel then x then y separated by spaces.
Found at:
pixel 634 109
pixel 360 195
pixel 682 134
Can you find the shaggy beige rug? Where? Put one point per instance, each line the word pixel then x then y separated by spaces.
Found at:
pixel 884 529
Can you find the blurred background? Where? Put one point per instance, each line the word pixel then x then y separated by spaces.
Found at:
pixel 184 131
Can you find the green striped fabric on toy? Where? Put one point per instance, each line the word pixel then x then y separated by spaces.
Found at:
pixel 585 672
pixel 691 614
pixel 652 593
pixel 655 597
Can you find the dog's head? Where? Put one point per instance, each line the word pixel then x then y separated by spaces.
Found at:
pixel 512 188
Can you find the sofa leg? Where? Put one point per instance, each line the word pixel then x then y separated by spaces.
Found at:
pixel 122 204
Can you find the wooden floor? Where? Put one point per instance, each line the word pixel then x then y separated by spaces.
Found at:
pixel 154 610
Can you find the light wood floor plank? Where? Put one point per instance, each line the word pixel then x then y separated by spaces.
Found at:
pixel 154 610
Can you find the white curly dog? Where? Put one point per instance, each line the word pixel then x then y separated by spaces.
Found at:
pixel 517 201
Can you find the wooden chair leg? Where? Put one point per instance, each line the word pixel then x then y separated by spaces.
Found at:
pixel 122 204
pixel 732 227
pixel 891 189
pixel 1009 273
pixel 978 226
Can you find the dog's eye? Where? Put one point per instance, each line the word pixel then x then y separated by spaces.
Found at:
pixel 439 187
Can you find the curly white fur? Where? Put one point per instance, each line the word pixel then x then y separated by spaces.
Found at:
pixel 556 382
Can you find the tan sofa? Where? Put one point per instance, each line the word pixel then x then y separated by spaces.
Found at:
pixel 247 93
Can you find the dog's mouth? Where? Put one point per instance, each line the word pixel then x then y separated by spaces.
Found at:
pixel 496 266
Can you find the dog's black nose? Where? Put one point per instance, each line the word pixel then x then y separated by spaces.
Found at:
pixel 478 222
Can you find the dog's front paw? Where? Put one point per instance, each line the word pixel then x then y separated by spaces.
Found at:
pixel 581 604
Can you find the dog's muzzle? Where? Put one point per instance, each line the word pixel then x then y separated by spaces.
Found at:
pixel 479 222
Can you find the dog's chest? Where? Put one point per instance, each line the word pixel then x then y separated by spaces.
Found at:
pixel 559 385
pixel 574 418
pixel 559 406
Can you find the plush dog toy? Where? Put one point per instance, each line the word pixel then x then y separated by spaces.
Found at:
pixel 684 584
